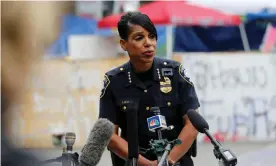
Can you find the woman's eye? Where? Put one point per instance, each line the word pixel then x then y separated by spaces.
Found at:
pixel 151 36
pixel 138 38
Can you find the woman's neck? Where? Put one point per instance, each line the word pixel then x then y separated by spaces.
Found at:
pixel 141 67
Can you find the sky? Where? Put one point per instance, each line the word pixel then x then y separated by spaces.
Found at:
pixel 237 6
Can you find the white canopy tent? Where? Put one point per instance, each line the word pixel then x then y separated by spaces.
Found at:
pixel 240 7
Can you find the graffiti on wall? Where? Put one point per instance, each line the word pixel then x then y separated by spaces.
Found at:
pixel 62 97
pixel 237 95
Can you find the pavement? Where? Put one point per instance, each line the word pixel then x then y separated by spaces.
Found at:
pixel 248 154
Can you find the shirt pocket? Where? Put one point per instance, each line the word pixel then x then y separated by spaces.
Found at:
pixel 121 106
pixel 169 107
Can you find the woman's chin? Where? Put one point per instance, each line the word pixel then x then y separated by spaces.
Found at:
pixel 147 59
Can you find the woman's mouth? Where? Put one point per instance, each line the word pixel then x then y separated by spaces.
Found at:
pixel 148 53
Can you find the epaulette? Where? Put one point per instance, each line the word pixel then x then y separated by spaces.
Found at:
pixel 116 71
pixel 167 62
pixel 108 76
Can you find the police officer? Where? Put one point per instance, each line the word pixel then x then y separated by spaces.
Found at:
pixel 154 82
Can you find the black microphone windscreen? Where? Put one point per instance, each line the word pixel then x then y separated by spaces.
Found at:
pixel 132 133
pixel 198 121
pixel 98 139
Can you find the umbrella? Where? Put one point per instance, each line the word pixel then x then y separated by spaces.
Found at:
pixel 173 13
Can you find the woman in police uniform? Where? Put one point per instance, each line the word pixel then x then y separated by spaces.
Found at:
pixel 150 81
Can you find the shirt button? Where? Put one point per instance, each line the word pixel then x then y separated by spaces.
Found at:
pixel 147 108
pixel 145 91
pixel 169 103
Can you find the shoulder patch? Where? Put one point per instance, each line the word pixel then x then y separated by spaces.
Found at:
pixel 183 73
pixel 106 82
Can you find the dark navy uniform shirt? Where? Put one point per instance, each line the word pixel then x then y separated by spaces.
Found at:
pixel 165 85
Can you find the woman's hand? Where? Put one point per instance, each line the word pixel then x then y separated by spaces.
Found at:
pixel 154 163
pixel 149 163
pixel 171 162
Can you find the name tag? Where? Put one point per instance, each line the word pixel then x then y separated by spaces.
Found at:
pixel 127 101
pixel 167 72
pixel 128 104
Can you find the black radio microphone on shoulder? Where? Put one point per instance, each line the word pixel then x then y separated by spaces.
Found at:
pixel 97 141
pixel 132 132
pixel 224 155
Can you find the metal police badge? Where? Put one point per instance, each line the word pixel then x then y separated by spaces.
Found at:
pixel 106 82
pixel 165 86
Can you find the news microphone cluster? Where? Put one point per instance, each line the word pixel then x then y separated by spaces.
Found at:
pixel 225 156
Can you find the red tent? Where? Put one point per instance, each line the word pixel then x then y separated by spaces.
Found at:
pixel 178 13
pixel 181 13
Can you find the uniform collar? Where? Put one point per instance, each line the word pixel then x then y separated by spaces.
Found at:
pixel 132 79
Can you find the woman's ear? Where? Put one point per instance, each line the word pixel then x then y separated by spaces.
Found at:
pixel 123 44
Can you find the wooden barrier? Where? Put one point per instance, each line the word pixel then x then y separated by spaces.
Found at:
pixel 62 97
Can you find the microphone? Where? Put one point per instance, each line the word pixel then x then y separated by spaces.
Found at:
pixel 67 157
pixel 98 139
pixel 132 132
pixel 157 122
pixel 70 140
pixel 202 126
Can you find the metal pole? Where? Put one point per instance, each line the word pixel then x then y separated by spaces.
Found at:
pixel 164 158
pixel 169 41
pixel 244 38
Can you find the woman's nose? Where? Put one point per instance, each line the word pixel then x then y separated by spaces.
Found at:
pixel 148 42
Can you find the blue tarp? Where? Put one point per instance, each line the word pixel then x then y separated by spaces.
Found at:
pixel 212 39
pixel 266 14
pixel 71 25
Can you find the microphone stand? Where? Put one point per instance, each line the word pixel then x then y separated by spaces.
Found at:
pixel 168 148
pixel 160 140
pixel 164 158
pixel 162 147
pixel 67 157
